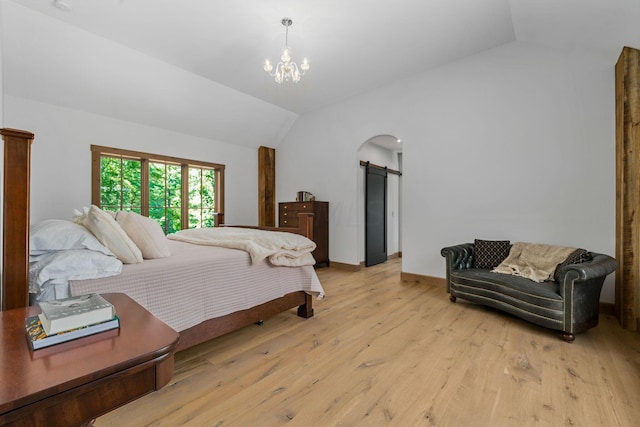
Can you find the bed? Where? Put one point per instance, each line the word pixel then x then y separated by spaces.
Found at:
pixel 177 289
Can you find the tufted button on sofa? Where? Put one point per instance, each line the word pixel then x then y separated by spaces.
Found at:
pixel 570 305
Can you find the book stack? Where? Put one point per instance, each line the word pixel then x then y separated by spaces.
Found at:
pixel 70 318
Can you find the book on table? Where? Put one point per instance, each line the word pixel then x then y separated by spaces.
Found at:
pixel 39 339
pixel 74 312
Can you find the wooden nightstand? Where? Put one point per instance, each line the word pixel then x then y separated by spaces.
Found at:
pixel 74 382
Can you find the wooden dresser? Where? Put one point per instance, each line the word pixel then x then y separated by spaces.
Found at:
pixel 288 217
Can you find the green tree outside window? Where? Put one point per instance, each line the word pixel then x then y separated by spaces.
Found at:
pixel 159 189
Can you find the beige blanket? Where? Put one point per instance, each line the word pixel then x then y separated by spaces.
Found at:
pixel 533 261
pixel 283 249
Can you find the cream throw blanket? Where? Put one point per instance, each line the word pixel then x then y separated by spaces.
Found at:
pixel 284 249
pixel 534 261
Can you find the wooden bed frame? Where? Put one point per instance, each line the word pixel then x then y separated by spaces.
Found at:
pixel 15 250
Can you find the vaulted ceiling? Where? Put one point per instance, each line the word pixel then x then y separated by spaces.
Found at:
pixel 353 45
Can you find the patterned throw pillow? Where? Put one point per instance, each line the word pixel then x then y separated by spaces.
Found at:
pixel 576 257
pixel 490 253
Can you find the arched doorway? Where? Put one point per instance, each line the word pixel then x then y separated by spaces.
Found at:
pixel 380 155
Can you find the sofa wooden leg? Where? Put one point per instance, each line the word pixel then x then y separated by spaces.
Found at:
pixel 568 337
pixel 452 298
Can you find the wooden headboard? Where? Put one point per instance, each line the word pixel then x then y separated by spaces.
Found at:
pixel 15 218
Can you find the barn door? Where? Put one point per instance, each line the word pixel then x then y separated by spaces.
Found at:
pixel 375 240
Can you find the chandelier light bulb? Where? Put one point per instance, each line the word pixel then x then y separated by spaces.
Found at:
pixel 286 70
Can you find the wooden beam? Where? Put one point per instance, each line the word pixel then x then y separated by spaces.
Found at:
pixel 266 186
pixel 627 293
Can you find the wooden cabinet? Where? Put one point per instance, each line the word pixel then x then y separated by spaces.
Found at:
pixel 288 217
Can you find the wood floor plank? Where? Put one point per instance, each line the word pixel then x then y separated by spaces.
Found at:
pixel 383 352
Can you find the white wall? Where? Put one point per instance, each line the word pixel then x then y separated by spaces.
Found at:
pixel 517 142
pixel 61 157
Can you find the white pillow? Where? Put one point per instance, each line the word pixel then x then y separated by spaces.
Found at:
pixel 146 233
pixel 75 264
pixel 110 234
pixel 60 235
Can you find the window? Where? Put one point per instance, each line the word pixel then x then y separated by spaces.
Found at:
pixel 202 197
pixel 178 193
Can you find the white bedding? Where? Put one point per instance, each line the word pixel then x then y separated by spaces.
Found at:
pixel 199 282
pixel 281 248
pixel 60 251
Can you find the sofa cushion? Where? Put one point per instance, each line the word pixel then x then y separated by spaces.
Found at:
pixel 490 253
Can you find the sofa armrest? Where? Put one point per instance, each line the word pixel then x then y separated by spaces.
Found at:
pixel 580 287
pixel 600 265
pixel 458 257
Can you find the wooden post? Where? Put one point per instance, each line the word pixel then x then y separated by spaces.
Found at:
pixel 628 188
pixel 266 186
pixel 15 244
pixel 218 219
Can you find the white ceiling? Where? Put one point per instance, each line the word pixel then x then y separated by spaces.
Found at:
pixel 353 45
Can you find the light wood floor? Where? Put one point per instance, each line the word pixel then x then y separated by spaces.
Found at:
pixel 382 352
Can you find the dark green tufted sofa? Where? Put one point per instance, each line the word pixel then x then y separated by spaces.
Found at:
pixel 570 306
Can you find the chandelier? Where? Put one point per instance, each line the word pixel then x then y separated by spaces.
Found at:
pixel 286 70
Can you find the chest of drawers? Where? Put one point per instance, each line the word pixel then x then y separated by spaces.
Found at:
pixel 288 217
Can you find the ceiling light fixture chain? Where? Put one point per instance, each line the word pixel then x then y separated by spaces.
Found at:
pixel 286 70
pixel 287 23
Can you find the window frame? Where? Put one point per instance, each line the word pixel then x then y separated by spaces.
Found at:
pixel 98 151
